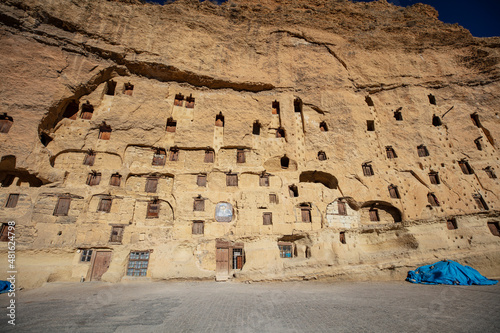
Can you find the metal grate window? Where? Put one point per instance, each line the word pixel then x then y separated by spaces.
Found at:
pixel 86 255
pixel 138 263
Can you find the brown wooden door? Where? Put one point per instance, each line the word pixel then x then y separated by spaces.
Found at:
pixel 222 261
pixel 101 264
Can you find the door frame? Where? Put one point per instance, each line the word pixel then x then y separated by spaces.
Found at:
pixel 92 262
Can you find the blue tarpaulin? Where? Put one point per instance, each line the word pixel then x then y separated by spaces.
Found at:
pixel 448 272
pixel 4 286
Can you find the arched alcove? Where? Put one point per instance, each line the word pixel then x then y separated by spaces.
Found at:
pixel 324 178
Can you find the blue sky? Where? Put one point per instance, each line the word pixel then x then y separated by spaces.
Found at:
pixel 481 17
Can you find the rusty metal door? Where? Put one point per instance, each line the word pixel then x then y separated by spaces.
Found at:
pixel 222 260
pixel 101 264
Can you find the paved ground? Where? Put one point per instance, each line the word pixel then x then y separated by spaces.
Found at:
pixel 262 307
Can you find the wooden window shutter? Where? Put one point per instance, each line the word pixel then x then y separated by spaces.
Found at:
pixel 4 233
pixel 153 209
pixel 190 102
pixel 105 134
pixel 267 218
pixel 198 228
pixel 171 125
pixel 12 201
pixel 342 208
pixel 89 159
pixel 273 198
pixel 179 99
pixel 105 205
pixel 174 154
pixel 62 207
pixel 342 237
pixel 116 234
pixel 209 156
pixel 276 107
pixel 93 179
pixel 433 201
pixel 115 180
pixel 493 226
pixel 367 170
pixel 306 214
pixel 159 157
pixel 374 215
pixel 231 180
pixel 5 123
pixel 264 180
pixel 201 180
pixel 199 205
pixel 434 178
pixel 151 185
pixel 240 156
pixel 481 204
pixel 393 192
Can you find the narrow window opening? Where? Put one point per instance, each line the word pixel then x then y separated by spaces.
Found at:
pixel 297 105
pixel 231 179
pixel 494 228
pixel 374 215
pixel 475 119
pixel 159 157
pixel 171 125
pixel 4 232
pixel 201 180
pixel 478 143
pixel 105 205
pixel 465 167
pixel 451 224
pixel 293 190
pixel 115 179
pixel 280 132
pixel 129 88
pixel 174 154
pixel 45 139
pixel 321 156
pixel 367 169
pixel 256 128
pixel 87 111
pixel 480 203
pixel 276 107
pixel 434 178
pixel 341 207
pixel 219 120
pixel 153 211
pixel 199 204
pixel 422 151
pixel 89 158
pixel 342 237
pixel 436 121
pixel 198 228
pixel 8 180
pixel 138 263
pixel 390 152
pixel 179 99
pixel 240 156
pixel 267 218
pixel 94 178
pixel 432 99
pixel 490 172
pixel 398 115
pixel 71 110
pixel 12 201
pixel 273 198
pixel 209 156
pixel 369 101
pixel 432 199
pixel 323 127
pixel 151 185
pixel 370 125
pixel 393 192
pixel 86 255
pixel 104 131
pixel 62 207
pixel 110 88
pixel 308 252
pixel 285 161
pixel 190 101
pixel 264 179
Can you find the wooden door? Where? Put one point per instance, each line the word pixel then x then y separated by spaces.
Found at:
pixel 101 264
pixel 222 261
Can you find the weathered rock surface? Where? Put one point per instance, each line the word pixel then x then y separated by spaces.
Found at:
pixel 340 71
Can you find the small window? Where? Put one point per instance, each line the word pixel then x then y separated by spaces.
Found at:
pixel 285 162
pixel 475 119
pixel 171 125
pixel 432 99
pixel 209 156
pixel 490 172
pixel 190 102
pixel 199 205
pixel 179 99
pixel 110 87
pixel 267 218
pixel 280 133
pixel 367 169
pixel 129 88
pixel 219 120
pixel 94 178
pixel 341 207
pixel 138 263
pixel 264 179
pixel 201 180
pixel 174 154
pixel 86 255
pixel 305 213
pixel 276 107
pixel 104 131
pixel 115 179
pixel 451 224
pixel 493 226
pixel 374 215
pixel 8 180
pixel 323 127
pixel 89 158
pixel 432 199
pixel 256 128
pixel 240 156
pixel 422 151
pixel 369 101
pixel 4 232
pixel 273 198
pixel 159 157
pixel 151 185
pixel 393 192
pixel 198 228
pixel 370 125
pixel 297 105
pixel 71 110
pixel 12 201
pixel 153 211
pixel 436 121
pixel 480 203
pixel 479 146
pixel 465 167
pixel 116 234
pixel 398 115
pixel 105 205
pixel 87 111
pixel 62 207
pixel 321 156
pixel 390 152
pixel 293 190
pixel 434 178
pixel 285 250
pixel 231 179
pixel 342 237
pixel 45 139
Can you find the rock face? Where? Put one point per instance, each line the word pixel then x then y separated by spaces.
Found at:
pixel 256 140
